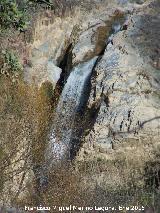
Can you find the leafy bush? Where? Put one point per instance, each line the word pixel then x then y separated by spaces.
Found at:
pixel 10 63
pixel 41 1
pixel 14 13
pixel 11 15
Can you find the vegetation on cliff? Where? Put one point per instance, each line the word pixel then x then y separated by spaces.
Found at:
pixel 25 109
pixel 17 14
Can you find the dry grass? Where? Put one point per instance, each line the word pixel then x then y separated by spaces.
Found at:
pixel 126 176
pixel 122 180
pixel 24 122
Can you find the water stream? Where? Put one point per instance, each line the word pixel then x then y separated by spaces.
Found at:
pixel 70 100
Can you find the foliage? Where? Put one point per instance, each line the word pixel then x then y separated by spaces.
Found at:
pixel 41 1
pixel 14 13
pixel 12 16
pixel 10 64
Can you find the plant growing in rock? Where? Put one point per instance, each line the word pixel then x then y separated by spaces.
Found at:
pixel 11 15
pixel 10 64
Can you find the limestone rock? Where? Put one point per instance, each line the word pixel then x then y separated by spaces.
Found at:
pixel 46 70
pixel 87 46
pixel 86 30
pixel 93 39
pixel 126 87
pixel 47 49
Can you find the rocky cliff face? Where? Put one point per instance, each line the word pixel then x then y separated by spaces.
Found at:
pixel 126 86
pixel 84 28
pixel 125 82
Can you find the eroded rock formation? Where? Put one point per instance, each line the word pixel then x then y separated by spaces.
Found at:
pixel 126 86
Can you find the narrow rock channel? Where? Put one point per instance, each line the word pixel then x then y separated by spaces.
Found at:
pixel 62 142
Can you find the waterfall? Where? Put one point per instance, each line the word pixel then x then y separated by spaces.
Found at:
pixel 70 100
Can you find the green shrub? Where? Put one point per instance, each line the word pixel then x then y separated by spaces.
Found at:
pixel 14 13
pixel 11 64
pixel 11 15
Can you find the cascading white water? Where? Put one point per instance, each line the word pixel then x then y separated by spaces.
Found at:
pixel 70 101
pixel 59 148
